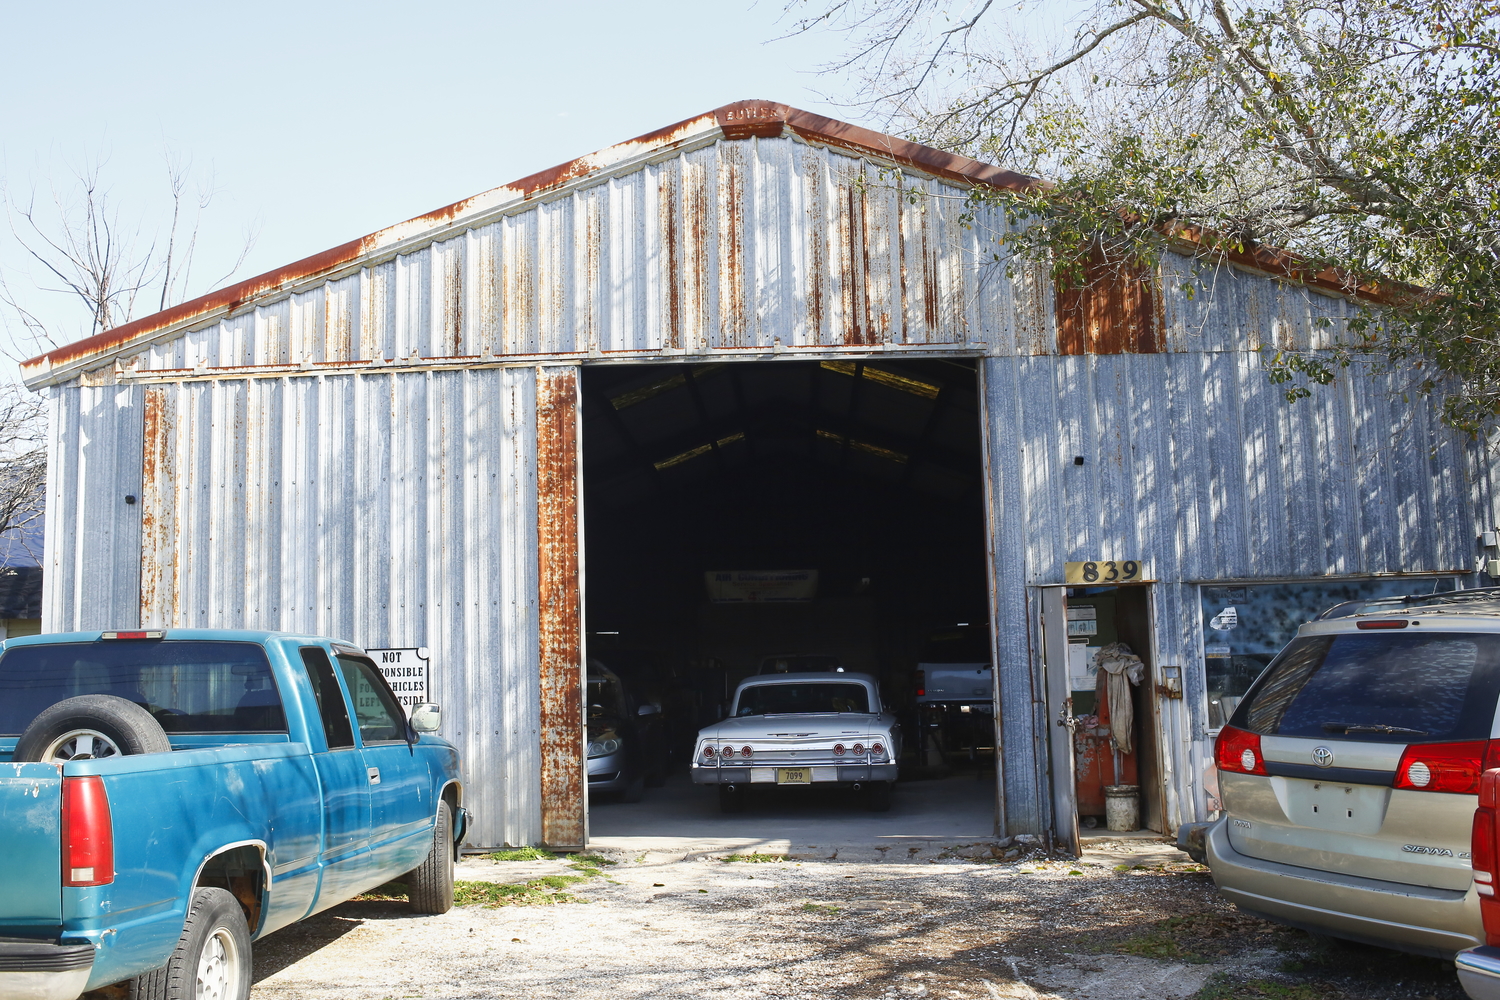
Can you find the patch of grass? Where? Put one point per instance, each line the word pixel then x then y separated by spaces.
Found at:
pixel 592 860
pixel 1161 942
pixel 819 908
pixel 381 893
pixel 1224 986
pixel 522 854
pixel 542 891
pixel 755 858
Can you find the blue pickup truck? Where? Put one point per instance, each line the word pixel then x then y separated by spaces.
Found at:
pixel 168 796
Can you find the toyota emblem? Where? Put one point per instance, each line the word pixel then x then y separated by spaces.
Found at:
pixel 1322 756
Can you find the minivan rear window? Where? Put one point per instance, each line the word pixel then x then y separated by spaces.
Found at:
pixel 1378 687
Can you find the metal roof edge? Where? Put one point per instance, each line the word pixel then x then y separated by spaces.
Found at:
pixel 740 120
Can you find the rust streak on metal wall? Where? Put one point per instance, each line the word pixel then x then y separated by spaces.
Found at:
pixel 1115 311
pixel 560 607
pixel 158 537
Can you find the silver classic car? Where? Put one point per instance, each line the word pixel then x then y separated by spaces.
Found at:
pixel 826 729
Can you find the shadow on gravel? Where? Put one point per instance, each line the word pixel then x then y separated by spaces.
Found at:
pixel 290 945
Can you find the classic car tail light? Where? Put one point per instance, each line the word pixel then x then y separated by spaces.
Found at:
pixel 88 836
pixel 1483 849
pixel 838 749
pixel 1239 751
pixel 877 748
pixel 746 751
pixel 921 683
pixel 859 749
pixel 726 752
pixel 708 752
pixel 1446 767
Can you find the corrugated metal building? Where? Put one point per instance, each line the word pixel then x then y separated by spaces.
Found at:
pixel 382 442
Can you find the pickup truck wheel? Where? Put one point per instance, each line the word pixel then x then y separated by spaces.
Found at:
pixel 212 958
pixel 91 726
pixel 429 887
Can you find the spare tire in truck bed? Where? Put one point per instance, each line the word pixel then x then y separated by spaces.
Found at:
pixel 88 727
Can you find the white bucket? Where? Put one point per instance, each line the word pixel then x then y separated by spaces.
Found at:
pixel 1122 807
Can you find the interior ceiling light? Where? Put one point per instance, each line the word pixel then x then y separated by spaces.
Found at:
pixel 633 396
pixel 865 446
pixel 686 456
pixel 878 452
pixel 924 389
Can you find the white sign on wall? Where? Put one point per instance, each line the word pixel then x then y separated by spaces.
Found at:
pixel 408 671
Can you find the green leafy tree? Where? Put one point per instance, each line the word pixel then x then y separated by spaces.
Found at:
pixel 1355 138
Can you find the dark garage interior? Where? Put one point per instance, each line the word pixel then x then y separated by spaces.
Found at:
pixel 863 480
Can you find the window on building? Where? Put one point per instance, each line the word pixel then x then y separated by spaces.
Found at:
pixel 1245 626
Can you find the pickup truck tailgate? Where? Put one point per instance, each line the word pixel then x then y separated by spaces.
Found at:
pixel 31 844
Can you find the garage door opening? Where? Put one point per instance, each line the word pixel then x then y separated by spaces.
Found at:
pixel 751 517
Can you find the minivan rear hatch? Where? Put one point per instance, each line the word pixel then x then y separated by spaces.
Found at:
pixel 1360 752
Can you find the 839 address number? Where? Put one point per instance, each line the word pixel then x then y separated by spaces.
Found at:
pixel 1102 572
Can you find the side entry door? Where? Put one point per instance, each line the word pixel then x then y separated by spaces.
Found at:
pixel 1059 694
pixel 402 803
pixel 345 855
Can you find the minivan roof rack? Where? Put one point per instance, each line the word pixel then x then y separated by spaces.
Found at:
pixel 1436 601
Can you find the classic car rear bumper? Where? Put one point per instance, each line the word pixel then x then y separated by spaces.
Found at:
pixel 843 774
pixel 1479 972
pixel 43 970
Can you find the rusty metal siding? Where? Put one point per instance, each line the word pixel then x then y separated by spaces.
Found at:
pixel 1197 465
pixel 391 509
pixel 92 544
pixel 761 245
pixel 560 603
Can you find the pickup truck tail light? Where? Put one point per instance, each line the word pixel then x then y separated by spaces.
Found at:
pixel 1446 767
pixel 921 683
pixel 88 836
pixel 1483 848
pixel 1239 751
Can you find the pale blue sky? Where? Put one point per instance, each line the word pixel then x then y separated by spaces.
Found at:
pixel 321 122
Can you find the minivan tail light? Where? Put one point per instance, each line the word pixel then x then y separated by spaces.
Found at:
pixel 1482 848
pixel 1446 767
pixel 88 836
pixel 1239 751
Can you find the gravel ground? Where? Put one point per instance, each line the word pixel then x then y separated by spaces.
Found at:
pixel 955 923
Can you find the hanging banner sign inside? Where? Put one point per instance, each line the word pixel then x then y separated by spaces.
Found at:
pixel 1103 572
pixel 408 671
pixel 772 586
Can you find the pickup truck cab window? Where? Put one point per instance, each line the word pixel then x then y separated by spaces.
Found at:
pixel 375 708
pixel 189 686
pixel 335 714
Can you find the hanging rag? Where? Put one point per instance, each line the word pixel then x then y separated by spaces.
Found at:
pixel 1122 668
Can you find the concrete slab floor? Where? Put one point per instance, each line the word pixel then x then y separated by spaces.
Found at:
pixel 682 818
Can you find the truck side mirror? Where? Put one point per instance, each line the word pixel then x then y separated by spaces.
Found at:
pixel 426 718
pixel 648 709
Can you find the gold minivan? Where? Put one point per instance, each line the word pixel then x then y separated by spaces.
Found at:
pixel 1349 774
